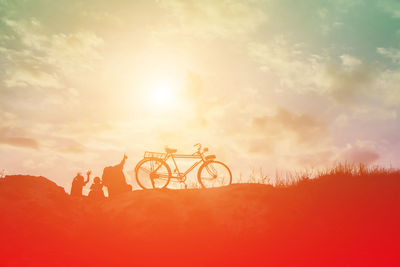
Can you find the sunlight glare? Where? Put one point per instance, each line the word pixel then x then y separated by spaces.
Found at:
pixel 163 94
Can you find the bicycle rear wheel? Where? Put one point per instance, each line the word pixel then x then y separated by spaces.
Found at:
pixel 152 173
pixel 214 174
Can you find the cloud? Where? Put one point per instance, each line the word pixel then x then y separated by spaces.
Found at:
pixel 360 155
pixel 34 58
pixel 391 53
pixel 82 129
pixel 350 62
pixel 388 87
pixel 17 137
pixel 316 158
pixel 31 76
pixel 290 66
pixel 6 118
pixel 20 142
pixel 74 149
pixel 391 7
pixel 350 83
pixel 260 146
pixel 329 19
pixel 285 138
pixel 216 18
pixel 72 52
pixel 304 127
pixel 304 73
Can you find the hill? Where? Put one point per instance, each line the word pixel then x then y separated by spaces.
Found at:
pixel 334 220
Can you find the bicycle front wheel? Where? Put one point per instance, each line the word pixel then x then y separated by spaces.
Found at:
pixel 214 174
pixel 152 173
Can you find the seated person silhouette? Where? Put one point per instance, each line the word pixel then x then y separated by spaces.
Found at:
pixel 96 190
pixel 78 183
pixel 114 179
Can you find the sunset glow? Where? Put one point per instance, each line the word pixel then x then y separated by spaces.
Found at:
pixel 263 90
pixel 199 133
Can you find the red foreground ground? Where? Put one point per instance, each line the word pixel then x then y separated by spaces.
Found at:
pixel 332 221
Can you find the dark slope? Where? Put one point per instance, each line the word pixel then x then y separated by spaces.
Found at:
pixel 334 220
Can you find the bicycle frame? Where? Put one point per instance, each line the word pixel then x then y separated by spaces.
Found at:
pixel 182 176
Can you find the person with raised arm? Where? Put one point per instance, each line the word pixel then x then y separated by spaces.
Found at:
pixel 114 179
pixel 78 183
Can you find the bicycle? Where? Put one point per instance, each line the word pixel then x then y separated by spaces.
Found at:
pixel 153 170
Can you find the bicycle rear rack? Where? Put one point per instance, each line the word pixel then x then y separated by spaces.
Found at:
pixel 149 154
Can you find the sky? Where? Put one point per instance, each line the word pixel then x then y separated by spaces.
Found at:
pixel 265 84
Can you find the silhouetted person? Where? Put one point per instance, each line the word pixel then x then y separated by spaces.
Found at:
pixel 96 189
pixel 78 183
pixel 114 179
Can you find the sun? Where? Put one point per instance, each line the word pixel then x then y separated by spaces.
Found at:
pixel 163 94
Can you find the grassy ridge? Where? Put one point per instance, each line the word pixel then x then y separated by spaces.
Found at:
pixel 346 216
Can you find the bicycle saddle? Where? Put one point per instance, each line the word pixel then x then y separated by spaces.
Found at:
pixel 211 157
pixel 170 150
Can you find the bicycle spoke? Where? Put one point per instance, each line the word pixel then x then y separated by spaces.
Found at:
pixel 211 170
pixel 145 170
pixel 214 174
pixel 152 173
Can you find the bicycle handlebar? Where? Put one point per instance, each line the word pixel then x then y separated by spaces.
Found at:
pixel 199 146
